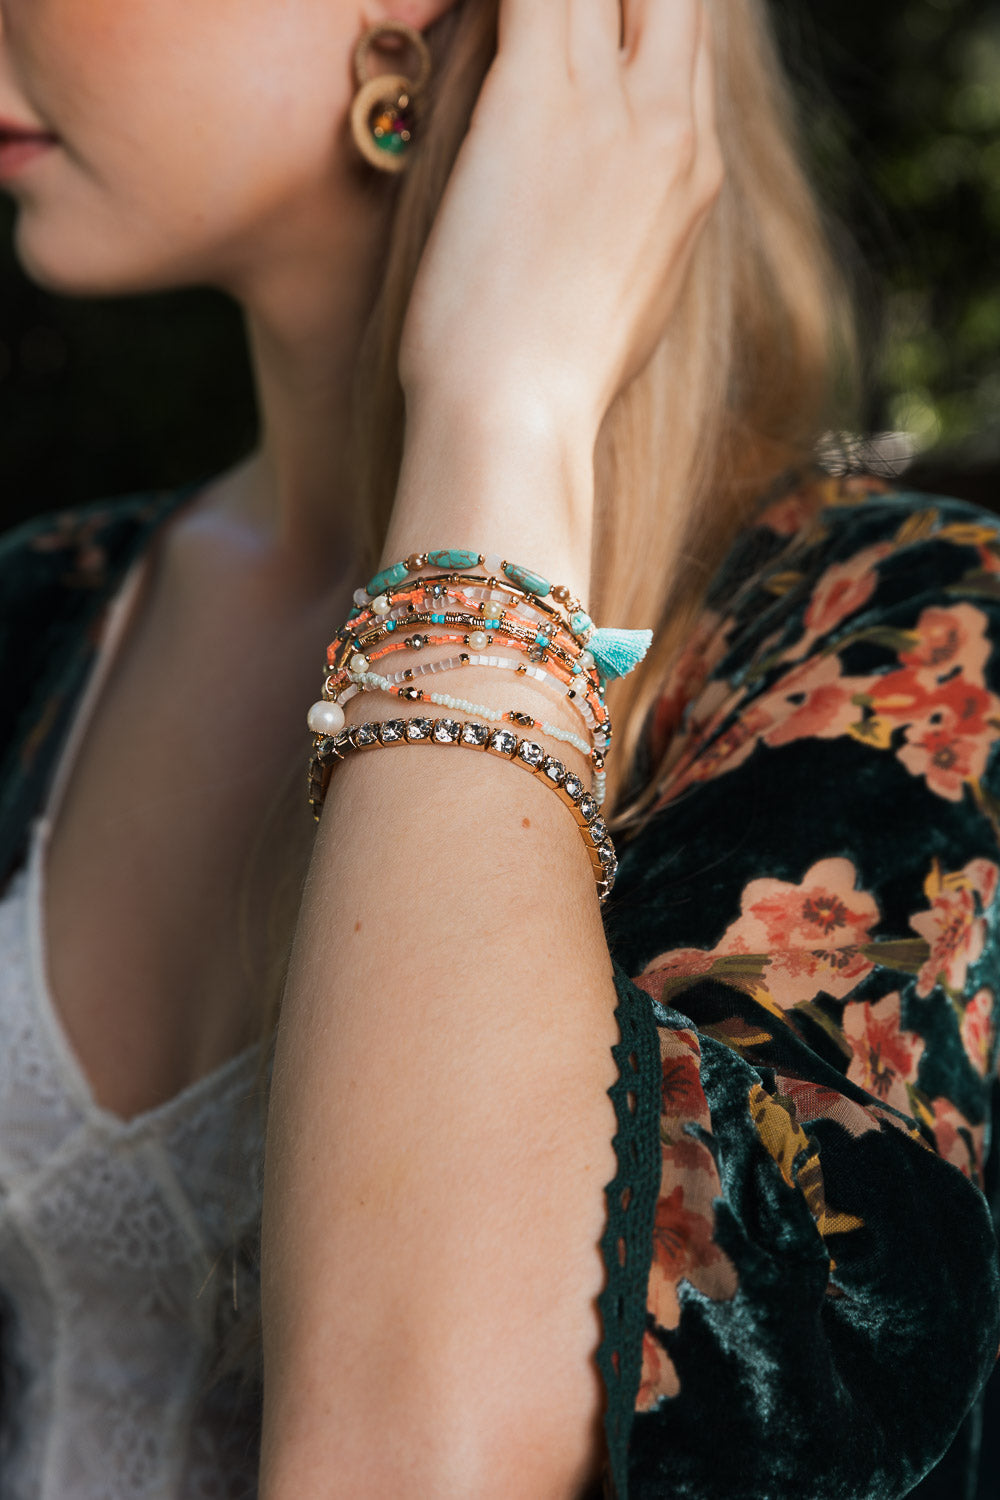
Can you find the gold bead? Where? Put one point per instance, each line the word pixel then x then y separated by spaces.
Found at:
pixel 416 560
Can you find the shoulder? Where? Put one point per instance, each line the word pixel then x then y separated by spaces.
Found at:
pixel 76 549
pixel 58 573
pixel 810 918
pixel 834 546
pixel 836 574
pixel 840 745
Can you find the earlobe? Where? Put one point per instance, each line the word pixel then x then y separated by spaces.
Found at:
pixel 416 13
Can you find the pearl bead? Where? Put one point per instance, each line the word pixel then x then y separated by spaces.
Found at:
pixel 381 605
pixel 326 718
pixel 478 640
pixel 359 663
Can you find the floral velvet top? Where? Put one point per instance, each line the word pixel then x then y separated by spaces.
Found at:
pixel 803 1288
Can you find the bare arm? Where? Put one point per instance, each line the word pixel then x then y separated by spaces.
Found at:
pixel 440 1131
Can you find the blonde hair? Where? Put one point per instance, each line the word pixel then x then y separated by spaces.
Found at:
pixel 735 396
pixel 738 390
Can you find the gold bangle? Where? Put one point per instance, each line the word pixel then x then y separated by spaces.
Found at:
pixel 383 733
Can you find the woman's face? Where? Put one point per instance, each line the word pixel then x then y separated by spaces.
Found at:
pixel 188 133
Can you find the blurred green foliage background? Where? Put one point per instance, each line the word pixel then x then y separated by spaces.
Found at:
pixel 901 100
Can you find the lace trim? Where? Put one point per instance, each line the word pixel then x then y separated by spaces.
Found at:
pixel 627 1243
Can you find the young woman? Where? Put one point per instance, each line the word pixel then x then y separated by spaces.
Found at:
pixel 591 328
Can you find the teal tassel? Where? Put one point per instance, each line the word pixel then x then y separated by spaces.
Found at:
pixel 616 652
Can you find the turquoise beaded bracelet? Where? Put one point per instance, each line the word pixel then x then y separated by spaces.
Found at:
pixel 615 652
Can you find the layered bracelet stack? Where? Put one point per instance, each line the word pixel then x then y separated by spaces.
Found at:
pixel 555 642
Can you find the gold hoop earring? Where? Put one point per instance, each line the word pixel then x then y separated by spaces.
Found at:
pixel 385 108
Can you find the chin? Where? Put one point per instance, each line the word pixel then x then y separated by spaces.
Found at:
pixel 68 263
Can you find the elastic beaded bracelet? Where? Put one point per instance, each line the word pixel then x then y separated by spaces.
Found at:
pixel 600 728
pixel 578 690
pixel 530 756
pixel 525 637
pixel 370 682
pixel 615 651
pixel 324 721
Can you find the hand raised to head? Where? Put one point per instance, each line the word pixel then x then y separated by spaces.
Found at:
pixel 573 209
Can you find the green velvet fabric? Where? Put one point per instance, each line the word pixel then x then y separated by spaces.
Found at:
pixel 803 1294
pixel 812 911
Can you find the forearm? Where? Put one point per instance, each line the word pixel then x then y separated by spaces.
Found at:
pixel 440 1132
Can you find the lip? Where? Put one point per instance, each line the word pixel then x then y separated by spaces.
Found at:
pixel 20 145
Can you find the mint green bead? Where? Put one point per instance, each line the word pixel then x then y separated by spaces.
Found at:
pixel 581 623
pixel 532 583
pixel 452 557
pixel 388 578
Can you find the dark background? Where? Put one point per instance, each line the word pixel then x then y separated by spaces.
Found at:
pixel 902 105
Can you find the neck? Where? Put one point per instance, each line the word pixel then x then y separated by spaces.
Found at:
pixel 306 311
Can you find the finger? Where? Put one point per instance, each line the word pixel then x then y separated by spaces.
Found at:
pixel 533 28
pixel 595 35
pixel 661 51
pixel 704 96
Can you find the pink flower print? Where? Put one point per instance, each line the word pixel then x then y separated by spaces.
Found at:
pixel 825 911
pixel 688 675
pixel 949 638
pixel 812 700
pixel 681 963
pixel 952 725
pixel 844 589
pixel 945 758
pixel 955 932
pixel 812 1101
pixel 978 1030
pixel 682 1096
pixel 659 1378
pixel 813 934
pixel 885 1058
pixel 902 695
pixel 789 515
pixel 682 1239
pixel 794 976
pixel 950 1132
pixel 949 743
pixel 725 753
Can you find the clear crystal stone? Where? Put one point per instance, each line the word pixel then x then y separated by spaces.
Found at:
pixel 418 729
pixel 598 830
pixel 392 731
pixel 446 731
pixel 474 734
pixel 589 808
pixel 530 753
pixel 503 742
pixel 607 856
pixel 574 786
pixel 362 735
pixel 554 770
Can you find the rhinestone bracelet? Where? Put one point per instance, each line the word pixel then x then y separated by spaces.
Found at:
pixel 381 734
pixel 600 730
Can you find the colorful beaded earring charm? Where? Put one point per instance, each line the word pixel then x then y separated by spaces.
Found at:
pixel 385 107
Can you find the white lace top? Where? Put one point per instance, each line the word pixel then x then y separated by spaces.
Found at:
pixel 127 1248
